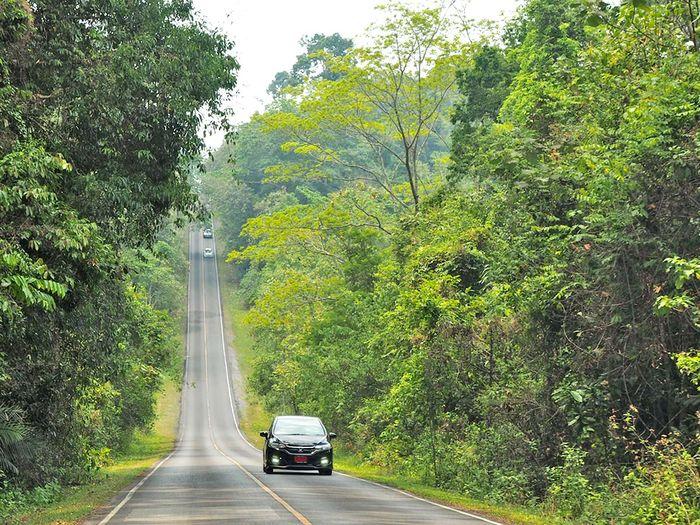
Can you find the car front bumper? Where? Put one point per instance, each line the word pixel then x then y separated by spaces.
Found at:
pixel 321 459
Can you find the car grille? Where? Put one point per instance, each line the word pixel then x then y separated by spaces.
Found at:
pixel 300 450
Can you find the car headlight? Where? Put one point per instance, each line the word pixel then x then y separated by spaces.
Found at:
pixel 276 444
pixel 323 446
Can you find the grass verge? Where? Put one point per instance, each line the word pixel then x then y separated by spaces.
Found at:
pixel 256 418
pixel 75 503
pixel 506 514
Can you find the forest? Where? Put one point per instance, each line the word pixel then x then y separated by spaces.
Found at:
pixel 101 108
pixel 473 250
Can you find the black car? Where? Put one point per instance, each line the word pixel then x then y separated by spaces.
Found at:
pixel 298 443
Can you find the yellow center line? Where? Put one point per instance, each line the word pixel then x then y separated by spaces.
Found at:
pixel 298 515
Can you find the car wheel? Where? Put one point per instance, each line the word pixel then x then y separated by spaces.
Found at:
pixel 268 470
pixel 325 471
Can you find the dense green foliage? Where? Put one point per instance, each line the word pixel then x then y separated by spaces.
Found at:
pixel 100 106
pixel 520 323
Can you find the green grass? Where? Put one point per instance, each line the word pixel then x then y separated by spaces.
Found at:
pixel 146 449
pixel 256 418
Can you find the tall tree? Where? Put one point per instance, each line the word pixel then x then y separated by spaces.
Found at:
pixel 375 121
pixel 100 107
pixel 313 63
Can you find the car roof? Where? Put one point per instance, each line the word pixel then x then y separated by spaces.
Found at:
pixel 298 417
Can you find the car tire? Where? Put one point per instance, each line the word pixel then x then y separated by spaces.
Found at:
pixel 325 471
pixel 268 470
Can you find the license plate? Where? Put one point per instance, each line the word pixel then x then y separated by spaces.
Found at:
pixel 300 459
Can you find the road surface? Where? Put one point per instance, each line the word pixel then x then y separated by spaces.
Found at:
pixel 215 476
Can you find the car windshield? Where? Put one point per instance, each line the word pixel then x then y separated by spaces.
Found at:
pixel 299 426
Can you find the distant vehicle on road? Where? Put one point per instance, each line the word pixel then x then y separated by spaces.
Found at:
pixel 298 443
pixel 208 234
pixel 208 252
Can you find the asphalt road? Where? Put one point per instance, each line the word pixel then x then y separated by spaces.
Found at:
pixel 215 476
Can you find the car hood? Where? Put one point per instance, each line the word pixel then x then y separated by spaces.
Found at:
pixel 288 439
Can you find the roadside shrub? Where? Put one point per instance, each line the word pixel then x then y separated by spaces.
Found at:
pixel 492 464
pixel 569 489
pixel 14 500
pixel 665 486
pixel 661 488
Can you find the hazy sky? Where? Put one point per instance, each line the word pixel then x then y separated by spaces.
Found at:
pixel 267 33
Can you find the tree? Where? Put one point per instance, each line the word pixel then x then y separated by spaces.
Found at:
pixel 375 121
pixel 313 63
pixel 124 104
pixel 100 107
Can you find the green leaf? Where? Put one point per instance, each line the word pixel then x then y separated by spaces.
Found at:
pixel 577 396
pixel 594 20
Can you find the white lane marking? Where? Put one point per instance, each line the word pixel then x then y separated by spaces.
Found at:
pixel 298 515
pixel 235 420
pixel 446 507
pixel 131 493
pixel 223 350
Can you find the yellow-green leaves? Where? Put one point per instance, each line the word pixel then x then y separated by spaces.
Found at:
pixel 374 119
pixel 684 273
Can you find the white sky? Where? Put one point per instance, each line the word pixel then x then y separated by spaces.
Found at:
pixel 267 33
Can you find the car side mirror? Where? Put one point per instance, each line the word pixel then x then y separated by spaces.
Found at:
pixel 264 434
pixel 332 435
